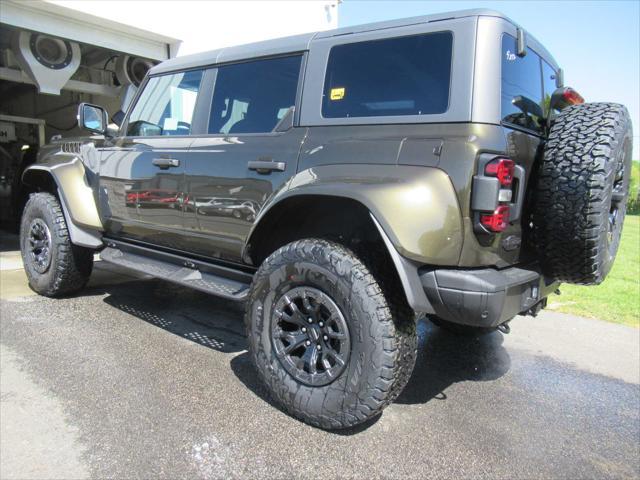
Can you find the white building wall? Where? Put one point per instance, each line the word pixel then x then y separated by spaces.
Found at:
pixel 207 25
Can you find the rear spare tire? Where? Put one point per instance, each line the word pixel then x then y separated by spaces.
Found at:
pixel 581 192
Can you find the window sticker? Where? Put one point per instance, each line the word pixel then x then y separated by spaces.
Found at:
pixel 337 93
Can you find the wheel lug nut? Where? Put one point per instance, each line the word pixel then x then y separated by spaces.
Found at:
pixel 325 338
pixel 304 329
pixel 310 320
pixel 321 324
pixel 319 347
pixel 307 343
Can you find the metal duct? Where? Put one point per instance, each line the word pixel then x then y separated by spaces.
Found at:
pixel 48 61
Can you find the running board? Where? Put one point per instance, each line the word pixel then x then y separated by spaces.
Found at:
pixel 186 274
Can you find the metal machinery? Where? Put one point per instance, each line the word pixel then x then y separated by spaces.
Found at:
pixel 51 59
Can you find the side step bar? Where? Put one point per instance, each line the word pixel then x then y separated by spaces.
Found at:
pixel 174 268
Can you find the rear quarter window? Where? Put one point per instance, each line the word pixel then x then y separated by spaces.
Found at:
pixel 389 77
pixel 521 77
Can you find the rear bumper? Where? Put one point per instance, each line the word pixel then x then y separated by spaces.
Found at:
pixel 485 297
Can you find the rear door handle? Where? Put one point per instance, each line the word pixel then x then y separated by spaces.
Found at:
pixel 165 163
pixel 266 166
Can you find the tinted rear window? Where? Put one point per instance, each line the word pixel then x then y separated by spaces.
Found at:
pixel 397 76
pixel 521 77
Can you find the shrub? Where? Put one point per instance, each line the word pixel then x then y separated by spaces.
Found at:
pixel 633 203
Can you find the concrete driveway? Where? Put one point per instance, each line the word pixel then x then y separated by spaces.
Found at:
pixel 138 378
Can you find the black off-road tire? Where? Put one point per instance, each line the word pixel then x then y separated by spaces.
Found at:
pixel 69 267
pixel 382 348
pixel 459 329
pixel 581 192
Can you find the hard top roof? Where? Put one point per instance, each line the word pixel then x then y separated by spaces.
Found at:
pixel 299 43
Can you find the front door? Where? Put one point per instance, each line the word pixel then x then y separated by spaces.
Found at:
pixel 142 174
pixel 250 150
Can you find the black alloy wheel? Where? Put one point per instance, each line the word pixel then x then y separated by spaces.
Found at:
pixel 310 336
pixel 39 245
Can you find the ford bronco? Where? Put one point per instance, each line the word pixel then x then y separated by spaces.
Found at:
pixel 343 184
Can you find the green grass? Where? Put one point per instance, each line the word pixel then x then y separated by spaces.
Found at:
pixel 617 299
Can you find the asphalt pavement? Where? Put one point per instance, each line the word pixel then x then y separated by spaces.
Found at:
pixel 139 378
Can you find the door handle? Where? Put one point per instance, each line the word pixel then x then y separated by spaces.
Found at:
pixel 165 163
pixel 266 166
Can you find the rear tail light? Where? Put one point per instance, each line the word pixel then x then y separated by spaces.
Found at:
pixel 497 194
pixel 496 221
pixel 572 97
pixel 564 97
pixel 503 169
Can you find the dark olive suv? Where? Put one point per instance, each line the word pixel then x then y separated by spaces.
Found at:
pixel 343 184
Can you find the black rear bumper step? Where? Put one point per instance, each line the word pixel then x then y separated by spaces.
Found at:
pixel 485 297
pixel 219 281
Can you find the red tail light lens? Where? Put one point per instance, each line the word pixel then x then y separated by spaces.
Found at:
pixel 498 220
pixel 572 97
pixel 502 168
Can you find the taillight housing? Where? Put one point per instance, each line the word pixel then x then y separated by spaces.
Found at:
pixel 572 97
pixel 564 97
pixel 496 221
pixel 503 169
pixel 497 194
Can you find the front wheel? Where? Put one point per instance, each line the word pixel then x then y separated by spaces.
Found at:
pixel 323 338
pixel 54 266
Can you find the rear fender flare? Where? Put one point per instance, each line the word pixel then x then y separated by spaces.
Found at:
pixel 415 210
pixel 416 207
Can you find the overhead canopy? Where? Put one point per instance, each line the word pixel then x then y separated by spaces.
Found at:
pixel 58 21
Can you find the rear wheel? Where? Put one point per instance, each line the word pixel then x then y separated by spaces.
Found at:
pixel 54 266
pixel 323 338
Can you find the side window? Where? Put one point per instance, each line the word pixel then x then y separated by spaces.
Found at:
pixel 549 85
pixel 165 106
pixel 396 76
pixel 521 77
pixel 253 97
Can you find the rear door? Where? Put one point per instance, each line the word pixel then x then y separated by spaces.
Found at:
pixel 142 175
pixel 250 149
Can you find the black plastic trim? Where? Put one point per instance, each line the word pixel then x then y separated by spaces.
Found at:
pixel 226 271
pixel 485 297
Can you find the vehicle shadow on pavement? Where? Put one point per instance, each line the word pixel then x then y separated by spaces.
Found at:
pixel 445 358
pixel 211 322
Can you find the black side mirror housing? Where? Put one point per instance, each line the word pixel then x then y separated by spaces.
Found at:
pixel 93 118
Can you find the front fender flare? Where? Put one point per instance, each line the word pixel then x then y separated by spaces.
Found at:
pixel 76 196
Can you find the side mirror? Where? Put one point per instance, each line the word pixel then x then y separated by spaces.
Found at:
pixel 92 118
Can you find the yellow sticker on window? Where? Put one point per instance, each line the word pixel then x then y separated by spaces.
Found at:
pixel 337 93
